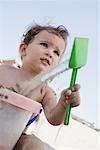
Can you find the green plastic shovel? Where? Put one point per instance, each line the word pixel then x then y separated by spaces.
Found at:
pixel 78 59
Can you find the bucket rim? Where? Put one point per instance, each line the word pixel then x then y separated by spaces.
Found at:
pixel 19 100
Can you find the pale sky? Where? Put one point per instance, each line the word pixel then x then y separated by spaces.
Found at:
pixel 81 17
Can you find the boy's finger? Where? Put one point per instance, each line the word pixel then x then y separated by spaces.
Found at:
pixel 68 92
pixel 76 87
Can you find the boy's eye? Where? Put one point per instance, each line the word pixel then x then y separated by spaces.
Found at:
pixel 44 44
pixel 57 53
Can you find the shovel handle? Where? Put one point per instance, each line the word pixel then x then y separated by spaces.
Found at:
pixel 68 108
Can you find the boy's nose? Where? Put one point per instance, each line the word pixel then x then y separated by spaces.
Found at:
pixel 49 54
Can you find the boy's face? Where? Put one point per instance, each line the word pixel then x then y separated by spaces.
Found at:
pixel 43 52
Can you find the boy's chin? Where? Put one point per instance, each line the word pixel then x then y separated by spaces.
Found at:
pixel 47 68
pixel 42 69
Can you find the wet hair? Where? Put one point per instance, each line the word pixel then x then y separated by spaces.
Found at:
pixel 33 30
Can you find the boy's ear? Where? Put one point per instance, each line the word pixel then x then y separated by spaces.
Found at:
pixel 22 49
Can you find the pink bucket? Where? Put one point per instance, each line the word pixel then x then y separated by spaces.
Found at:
pixel 15 112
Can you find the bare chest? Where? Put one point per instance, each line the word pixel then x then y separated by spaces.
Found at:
pixel 11 80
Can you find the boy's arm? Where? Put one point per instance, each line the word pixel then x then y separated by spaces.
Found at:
pixel 55 111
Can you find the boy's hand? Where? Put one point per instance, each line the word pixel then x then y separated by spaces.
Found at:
pixel 71 97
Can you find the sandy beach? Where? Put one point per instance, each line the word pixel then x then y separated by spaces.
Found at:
pixel 75 136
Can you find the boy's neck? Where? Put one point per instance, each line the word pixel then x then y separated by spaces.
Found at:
pixel 27 73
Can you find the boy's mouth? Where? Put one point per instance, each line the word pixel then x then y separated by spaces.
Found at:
pixel 45 61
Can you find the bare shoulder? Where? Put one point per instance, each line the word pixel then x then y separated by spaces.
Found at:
pixel 6 73
pixel 50 98
pixel 50 92
pixel 5 68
